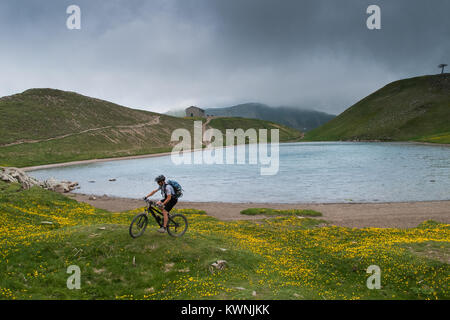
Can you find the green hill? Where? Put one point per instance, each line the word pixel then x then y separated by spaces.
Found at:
pixel 41 126
pixel 411 109
pixel 286 133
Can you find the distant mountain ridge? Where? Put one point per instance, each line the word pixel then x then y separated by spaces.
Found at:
pixel 409 109
pixel 300 119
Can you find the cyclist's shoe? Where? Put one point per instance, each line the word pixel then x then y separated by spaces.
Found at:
pixel 162 230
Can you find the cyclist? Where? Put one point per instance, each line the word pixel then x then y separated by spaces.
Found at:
pixel 169 201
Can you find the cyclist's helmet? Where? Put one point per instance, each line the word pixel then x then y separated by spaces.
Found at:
pixel 160 178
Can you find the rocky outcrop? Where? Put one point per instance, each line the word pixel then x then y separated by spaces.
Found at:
pixel 218 265
pixel 16 175
pixel 59 186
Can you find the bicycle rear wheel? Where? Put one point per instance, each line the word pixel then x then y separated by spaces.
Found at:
pixel 138 225
pixel 177 225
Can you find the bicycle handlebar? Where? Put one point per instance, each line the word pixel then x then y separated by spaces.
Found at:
pixel 151 202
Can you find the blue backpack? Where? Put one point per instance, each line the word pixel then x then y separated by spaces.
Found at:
pixel 176 187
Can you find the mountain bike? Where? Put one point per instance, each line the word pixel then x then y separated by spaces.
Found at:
pixel 177 223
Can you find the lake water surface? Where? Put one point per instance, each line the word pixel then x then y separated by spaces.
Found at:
pixel 308 172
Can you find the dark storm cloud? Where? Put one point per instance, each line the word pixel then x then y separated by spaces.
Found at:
pixel 413 31
pixel 165 54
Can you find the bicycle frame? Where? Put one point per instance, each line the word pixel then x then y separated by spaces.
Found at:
pixel 154 211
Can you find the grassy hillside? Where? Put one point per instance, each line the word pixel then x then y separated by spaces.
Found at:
pixel 410 109
pixel 286 133
pixel 46 113
pixel 277 258
pixel 41 126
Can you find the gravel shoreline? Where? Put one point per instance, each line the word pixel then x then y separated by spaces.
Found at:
pixel 71 163
pixel 353 215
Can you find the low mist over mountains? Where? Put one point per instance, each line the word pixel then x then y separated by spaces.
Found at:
pixel 300 119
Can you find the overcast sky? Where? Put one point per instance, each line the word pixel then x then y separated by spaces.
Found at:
pixel 168 54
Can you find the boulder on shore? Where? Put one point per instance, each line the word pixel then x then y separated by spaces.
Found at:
pixel 58 186
pixel 15 175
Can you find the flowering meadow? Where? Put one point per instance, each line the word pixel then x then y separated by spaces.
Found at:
pixel 42 233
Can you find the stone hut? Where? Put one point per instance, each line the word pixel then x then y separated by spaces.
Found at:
pixel 195 112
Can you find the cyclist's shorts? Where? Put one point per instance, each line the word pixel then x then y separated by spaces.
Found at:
pixel 169 205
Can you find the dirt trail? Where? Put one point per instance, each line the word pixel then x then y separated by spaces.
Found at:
pixel 353 215
pixel 140 125
pixel 208 120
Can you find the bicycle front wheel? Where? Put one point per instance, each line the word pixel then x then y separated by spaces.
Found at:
pixel 138 225
pixel 177 225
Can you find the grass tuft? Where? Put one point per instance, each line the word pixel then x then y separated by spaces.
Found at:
pixel 278 212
